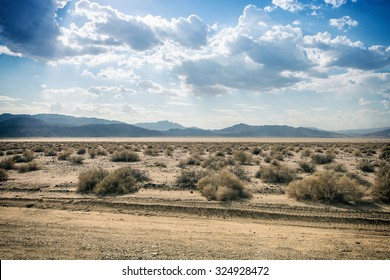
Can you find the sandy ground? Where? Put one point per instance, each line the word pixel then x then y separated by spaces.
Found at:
pixel 42 216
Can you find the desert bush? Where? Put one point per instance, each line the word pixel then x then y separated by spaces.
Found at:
pixel 27 167
pixel 337 167
pixel 307 166
pixel 326 186
pixel 160 164
pixel 240 173
pixel 120 181
pixel 306 153
pixel 151 152
pixel 50 153
pixel 3 175
pixel 192 160
pixel 242 157
pixel 2 153
pixel 381 187
pixel 385 153
pixel 322 158
pixel 101 152
pixel 276 174
pixel 7 164
pixel 256 151
pixel 216 163
pixel 81 151
pixel 89 179
pixel 365 166
pixel 188 179
pixel 76 159
pixel 222 186
pixel 64 155
pixel 125 155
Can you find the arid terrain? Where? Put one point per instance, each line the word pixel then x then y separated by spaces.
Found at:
pixel 44 215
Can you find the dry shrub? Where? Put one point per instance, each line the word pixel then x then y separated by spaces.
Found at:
pixel 188 179
pixel 125 155
pixel 27 167
pixel 385 153
pixel 120 181
pixel 81 151
pixel 381 188
pixel 7 164
pixel 307 166
pixel 192 160
pixel 243 157
pixel 64 155
pixel 151 152
pixel 322 158
pixel 3 175
pixel 217 163
pixel 276 174
pixel 90 178
pixel 222 186
pixel 76 159
pixel 326 186
pixel 366 166
pixel 337 167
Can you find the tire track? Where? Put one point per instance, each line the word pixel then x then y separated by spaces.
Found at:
pixel 316 217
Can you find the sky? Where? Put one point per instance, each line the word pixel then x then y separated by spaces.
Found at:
pixel 208 64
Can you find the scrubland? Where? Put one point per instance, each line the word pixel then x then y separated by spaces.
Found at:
pixel 164 200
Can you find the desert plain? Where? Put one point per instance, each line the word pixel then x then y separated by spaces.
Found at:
pixel 44 215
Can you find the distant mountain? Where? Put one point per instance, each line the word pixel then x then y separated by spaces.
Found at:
pixel 244 130
pixel 191 132
pixel 381 134
pixel 32 127
pixel 50 125
pixel 160 126
pixel 62 120
pixel 361 132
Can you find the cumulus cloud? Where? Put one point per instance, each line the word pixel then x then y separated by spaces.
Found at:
pixel 343 52
pixel 7 51
pixel 335 3
pixel 289 5
pixel 364 102
pixel 29 27
pixel 344 22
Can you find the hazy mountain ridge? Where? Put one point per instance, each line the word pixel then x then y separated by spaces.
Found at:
pixel 50 125
pixel 160 125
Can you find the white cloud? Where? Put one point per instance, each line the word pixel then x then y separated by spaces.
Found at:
pixel 5 50
pixel 7 99
pixel 385 103
pixel 335 3
pixel 289 5
pixel 364 102
pixel 341 23
pixel 112 73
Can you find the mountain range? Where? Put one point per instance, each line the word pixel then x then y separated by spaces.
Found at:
pixel 55 125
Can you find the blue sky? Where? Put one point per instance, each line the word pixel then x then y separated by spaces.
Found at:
pixel 209 64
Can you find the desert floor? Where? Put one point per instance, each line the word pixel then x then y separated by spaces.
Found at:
pixel 43 217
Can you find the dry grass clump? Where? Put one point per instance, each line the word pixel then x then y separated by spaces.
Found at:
pixel 7 164
pixel 337 167
pixel 307 166
pixel 151 152
pixel 322 158
pixel 381 187
pixel 26 156
pixel 188 179
pixel 242 157
pixel 27 167
pixel 101 182
pixel 276 174
pixel 326 186
pixel 3 175
pixel 385 153
pixel 90 178
pixel 81 151
pixel 366 166
pixel 120 181
pixel 222 186
pixel 194 160
pixel 125 156
pixel 76 159
pixel 217 163
pixel 64 155
pixel 160 164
